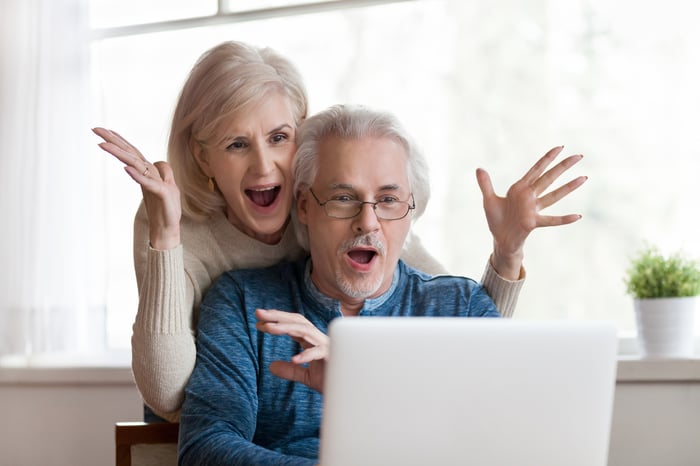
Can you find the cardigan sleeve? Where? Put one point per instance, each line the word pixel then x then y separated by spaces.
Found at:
pixel 504 292
pixel 162 342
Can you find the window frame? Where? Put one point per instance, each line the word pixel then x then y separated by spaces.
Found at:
pixel 627 342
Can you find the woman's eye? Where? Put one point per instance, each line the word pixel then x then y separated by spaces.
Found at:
pixel 279 137
pixel 343 198
pixel 236 145
pixel 388 200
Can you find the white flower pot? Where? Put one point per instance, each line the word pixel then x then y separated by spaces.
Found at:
pixel 666 326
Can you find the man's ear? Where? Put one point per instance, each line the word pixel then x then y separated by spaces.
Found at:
pixel 200 155
pixel 302 205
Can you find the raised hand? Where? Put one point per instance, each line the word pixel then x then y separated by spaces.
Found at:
pixel 513 217
pixel 160 193
pixel 307 367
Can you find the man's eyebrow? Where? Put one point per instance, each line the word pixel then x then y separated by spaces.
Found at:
pixel 341 186
pixel 386 187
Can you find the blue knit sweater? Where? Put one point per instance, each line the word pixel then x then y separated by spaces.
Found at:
pixel 237 413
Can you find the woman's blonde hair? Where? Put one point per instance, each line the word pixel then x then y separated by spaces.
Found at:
pixel 224 80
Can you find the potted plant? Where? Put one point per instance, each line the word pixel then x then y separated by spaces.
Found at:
pixel 665 291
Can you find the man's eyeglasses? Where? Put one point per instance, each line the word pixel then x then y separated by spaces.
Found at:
pixel 386 209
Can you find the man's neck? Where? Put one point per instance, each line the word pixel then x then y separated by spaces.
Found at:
pixel 351 309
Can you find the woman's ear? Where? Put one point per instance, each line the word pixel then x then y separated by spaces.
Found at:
pixel 200 155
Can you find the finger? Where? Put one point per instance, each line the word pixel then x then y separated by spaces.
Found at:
pixel 120 141
pixel 165 171
pixel 104 133
pixel 484 181
pixel 109 136
pixel 116 140
pixel 542 164
pixel 127 157
pixel 544 181
pixel 305 334
pixel 559 193
pixel 274 315
pixel 289 371
pixel 553 221
pixel 314 353
pixel 144 178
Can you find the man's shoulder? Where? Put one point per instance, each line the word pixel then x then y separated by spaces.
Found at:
pixel 413 274
pixel 254 284
pixel 261 276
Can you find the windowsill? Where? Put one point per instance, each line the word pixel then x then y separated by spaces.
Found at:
pixel 633 369
pixel 66 376
pixel 74 369
pixel 630 369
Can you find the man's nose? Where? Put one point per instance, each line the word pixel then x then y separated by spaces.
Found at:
pixel 367 219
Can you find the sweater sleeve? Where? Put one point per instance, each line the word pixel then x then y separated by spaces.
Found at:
pixel 163 345
pixel 219 415
pixel 504 292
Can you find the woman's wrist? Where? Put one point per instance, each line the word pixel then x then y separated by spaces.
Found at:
pixel 165 238
pixel 507 265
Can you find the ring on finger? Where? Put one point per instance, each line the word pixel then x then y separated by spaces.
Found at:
pixel 145 172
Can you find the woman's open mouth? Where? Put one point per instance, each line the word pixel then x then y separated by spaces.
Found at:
pixel 263 197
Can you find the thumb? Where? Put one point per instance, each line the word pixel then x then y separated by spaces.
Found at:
pixel 288 371
pixel 484 181
pixel 166 172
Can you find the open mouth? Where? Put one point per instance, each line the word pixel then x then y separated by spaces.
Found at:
pixel 263 197
pixel 362 256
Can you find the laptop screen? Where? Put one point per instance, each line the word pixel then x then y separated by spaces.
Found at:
pixel 441 391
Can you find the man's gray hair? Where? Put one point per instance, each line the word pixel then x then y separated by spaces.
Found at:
pixel 354 122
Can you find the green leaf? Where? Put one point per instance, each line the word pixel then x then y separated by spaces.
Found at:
pixel 651 275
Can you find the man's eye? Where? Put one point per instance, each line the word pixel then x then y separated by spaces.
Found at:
pixel 343 199
pixel 388 200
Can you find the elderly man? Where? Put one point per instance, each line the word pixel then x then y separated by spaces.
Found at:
pixel 359 183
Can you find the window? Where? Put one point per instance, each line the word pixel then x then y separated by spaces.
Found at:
pixel 479 84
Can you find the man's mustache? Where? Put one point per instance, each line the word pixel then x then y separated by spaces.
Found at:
pixel 370 240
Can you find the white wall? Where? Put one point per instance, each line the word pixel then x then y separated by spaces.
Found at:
pixel 656 424
pixel 66 417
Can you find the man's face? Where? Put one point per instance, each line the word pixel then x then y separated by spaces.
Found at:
pixel 354 259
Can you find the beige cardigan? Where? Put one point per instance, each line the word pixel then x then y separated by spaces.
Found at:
pixel 172 283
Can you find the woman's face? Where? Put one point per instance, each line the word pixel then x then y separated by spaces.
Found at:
pixel 252 167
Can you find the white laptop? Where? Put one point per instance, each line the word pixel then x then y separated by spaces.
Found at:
pixel 468 391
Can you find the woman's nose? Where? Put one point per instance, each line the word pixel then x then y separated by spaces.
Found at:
pixel 263 161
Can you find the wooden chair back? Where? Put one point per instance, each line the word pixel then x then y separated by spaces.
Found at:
pixel 146 444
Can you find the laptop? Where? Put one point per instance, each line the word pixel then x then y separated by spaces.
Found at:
pixel 467 391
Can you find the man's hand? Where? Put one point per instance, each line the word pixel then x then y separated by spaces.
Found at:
pixel 307 367
pixel 513 217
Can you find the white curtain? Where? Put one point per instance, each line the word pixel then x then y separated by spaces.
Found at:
pixel 52 279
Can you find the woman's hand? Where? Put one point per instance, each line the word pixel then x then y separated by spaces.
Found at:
pixel 160 193
pixel 513 217
pixel 307 367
